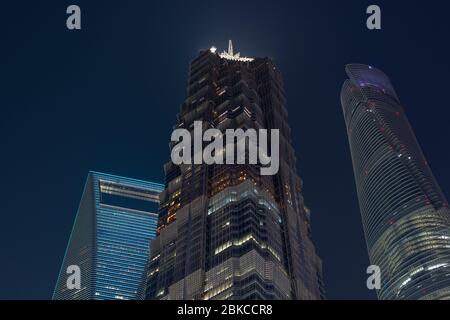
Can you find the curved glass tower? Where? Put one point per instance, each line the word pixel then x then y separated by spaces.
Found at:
pixel 405 215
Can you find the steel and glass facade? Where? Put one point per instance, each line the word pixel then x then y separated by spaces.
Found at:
pixel 225 231
pixel 405 215
pixel 110 239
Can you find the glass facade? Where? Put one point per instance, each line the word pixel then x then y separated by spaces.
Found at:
pixel 110 239
pixel 225 231
pixel 405 215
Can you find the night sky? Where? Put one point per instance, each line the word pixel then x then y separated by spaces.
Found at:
pixel 105 98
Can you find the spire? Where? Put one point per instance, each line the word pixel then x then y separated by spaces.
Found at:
pixel 230 55
pixel 230 47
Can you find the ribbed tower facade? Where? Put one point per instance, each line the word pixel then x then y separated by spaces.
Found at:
pixel 116 219
pixel 405 215
pixel 225 231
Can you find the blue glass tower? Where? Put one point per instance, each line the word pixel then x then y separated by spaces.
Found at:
pixel 116 219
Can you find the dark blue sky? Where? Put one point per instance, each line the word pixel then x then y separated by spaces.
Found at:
pixel 105 98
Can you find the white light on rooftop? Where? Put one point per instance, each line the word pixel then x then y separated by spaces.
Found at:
pixel 230 55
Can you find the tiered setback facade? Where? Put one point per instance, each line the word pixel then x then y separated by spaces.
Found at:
pixel 116 220
pixel 406 217
pixel 225 231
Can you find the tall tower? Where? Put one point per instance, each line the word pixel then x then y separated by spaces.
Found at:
pixel 406 217
pixel 225 231
pixel 115 221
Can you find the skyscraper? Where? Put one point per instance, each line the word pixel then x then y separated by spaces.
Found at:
pixel 405 215
pixel 110 239
pixel 225 231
